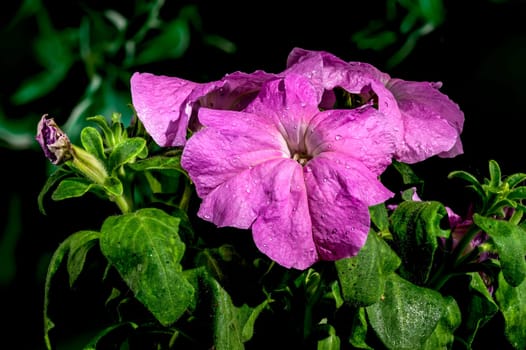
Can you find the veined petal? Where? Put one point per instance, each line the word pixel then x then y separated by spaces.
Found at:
pixel 290 103
pixel 333 171
pixel 158 101
pixel 233 92
pixel 283 229
pixel 363 133
pixel 230 143
pixel 328 72
pixel 340 192
pixel 234 202
pixel 433 123
pixel 168 106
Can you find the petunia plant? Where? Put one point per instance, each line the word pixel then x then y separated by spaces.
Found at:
pixel 254 212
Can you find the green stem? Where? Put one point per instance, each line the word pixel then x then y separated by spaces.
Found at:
pixel 468 237
pixel 122 203
pixel 187 194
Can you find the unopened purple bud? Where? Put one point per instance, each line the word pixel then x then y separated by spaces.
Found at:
pixel 54 142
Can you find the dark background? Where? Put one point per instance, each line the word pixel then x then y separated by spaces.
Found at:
pixel 478 52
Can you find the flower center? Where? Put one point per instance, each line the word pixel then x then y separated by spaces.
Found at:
pixel 301 157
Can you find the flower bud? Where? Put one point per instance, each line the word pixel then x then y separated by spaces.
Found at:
pixel 54 142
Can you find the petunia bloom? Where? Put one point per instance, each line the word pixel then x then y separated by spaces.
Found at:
pixel 301 179
pixel 430 123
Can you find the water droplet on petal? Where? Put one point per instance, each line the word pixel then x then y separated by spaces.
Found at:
pixel 338 137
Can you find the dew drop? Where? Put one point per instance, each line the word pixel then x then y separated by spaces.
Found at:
pixel 338 137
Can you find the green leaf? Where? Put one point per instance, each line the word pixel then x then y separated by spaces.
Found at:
pixel 480 309
pixel 359 330
pixel 407 315
pixel 125 152
pixel 472 180
pixel 415 227
pixel 432 11
pixel 248 319
pixel 512 303
pixel 92 142
pixel 509 243
pixel 227 328
pixel 103 124
pixel 517 193
pixel 159 163
pixel 331 342
pixel 380 217
pixel 495 174
pixel 114 186
pixel 444 334
pixel 123 328
pixel 54 265
pixel 71 188
pixel 145 248
pixel 362 277
pixel 79 245
pixel 56 176
pixel 408 175
pixel 515 179
pixel 172 42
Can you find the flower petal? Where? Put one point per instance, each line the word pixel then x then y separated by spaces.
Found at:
pixel 283 228
pixel 432 121
pixel 328 72
pixel 158 101
pixel 340 191
pixel 290 102
pixel 363 133
pixel 167 106
pixel 230 143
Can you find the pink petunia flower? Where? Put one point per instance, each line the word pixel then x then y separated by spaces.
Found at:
pixel 302 179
